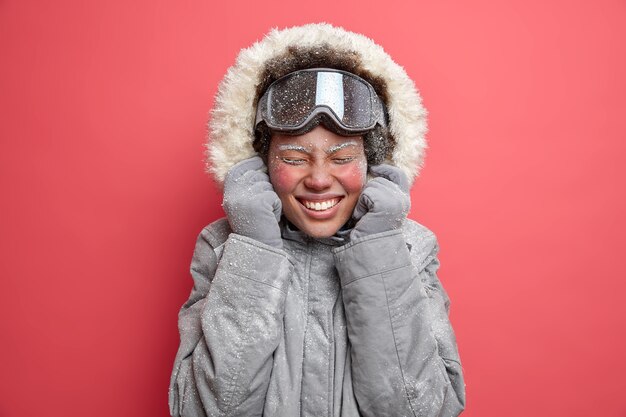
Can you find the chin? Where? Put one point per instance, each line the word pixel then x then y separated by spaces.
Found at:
pixel 326 225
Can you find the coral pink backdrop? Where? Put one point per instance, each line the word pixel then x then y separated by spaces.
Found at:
pixel 103 107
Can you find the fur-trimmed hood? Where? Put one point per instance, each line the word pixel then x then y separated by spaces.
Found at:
pixel 231 131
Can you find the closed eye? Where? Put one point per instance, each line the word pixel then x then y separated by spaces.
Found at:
pixel 292 161
pixel 342 161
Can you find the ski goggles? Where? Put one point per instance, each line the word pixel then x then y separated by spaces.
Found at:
pixel 298 101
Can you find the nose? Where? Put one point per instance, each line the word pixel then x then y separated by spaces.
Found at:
pixel 319 178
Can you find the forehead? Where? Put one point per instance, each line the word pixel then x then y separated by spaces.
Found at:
pixel 318 138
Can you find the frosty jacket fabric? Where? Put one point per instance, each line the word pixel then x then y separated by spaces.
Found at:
pixel 319 328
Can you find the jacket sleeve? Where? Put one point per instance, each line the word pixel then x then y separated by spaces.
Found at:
pixel 229 328
pixel 403 350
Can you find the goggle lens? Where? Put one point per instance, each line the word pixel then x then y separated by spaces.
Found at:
pixel 358 109
pixel 292 99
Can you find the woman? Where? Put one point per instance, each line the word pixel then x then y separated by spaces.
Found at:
pixel 316 296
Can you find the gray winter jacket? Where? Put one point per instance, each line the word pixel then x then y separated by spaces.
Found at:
pixel 323 327
pixel 320 328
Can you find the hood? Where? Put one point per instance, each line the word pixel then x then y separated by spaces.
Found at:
pixel 231 131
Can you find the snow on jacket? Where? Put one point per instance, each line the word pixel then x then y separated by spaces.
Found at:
pixel 322 327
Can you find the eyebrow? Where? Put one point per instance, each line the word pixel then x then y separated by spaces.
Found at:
pixel 339 147
pixel 292 147
pixel 303 149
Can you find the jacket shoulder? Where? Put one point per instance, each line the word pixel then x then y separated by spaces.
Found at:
pixel 421 241
pixel 217 232
pixel 415 231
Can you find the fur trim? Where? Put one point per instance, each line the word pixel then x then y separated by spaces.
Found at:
pixel 231 132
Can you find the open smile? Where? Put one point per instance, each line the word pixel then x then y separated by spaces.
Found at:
pixel 320 209
pixel 320 205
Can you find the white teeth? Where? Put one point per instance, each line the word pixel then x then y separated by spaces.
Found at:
pixel 320 205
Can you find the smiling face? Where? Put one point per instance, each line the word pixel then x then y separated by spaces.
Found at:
pixel 318 177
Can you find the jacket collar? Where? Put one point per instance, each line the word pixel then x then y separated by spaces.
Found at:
pixel 291 232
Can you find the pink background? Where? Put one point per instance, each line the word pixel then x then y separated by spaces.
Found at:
pixel 103 107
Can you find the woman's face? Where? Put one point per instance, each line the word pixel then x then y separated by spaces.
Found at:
pixel 318 177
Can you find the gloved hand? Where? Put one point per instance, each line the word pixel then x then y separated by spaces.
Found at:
pixel 251 205
pixel 383 203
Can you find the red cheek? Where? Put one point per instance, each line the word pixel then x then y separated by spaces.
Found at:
pixel 281 177
pixel 352 176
